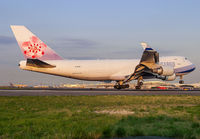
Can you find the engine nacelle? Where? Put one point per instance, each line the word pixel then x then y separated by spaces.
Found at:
pixel 167 78
pixel 170 78
pixel 164 71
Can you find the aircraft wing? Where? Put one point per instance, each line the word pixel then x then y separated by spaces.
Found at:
pixel 148 64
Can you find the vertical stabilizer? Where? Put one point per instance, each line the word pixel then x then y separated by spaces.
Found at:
pixel 31 46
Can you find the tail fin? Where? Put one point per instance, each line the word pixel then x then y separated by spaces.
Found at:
pixel 31 46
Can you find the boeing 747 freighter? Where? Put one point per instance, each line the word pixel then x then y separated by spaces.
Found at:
pixel 41 58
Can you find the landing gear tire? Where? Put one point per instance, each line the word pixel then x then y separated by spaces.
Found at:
pixel 117 87
pixel 138 87
pixel 140 83
pixel 121 86
pixel 125 86
pixel 181 82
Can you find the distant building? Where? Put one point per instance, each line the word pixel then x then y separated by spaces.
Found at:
pixel 154 84
pixel 19 85
pixel 41 86
pixel 72 86
pixel 101 85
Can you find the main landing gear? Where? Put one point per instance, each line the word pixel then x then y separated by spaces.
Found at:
pixel 181 80
pixel 139 83
pixel 120 85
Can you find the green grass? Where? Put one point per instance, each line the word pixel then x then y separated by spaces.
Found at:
pixel 92 117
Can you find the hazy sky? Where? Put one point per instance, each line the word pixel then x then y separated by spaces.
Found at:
pixel 104 29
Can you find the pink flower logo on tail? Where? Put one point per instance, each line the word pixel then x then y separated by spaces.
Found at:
pixel 34 48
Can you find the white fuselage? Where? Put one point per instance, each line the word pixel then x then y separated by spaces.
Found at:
pixel 106 70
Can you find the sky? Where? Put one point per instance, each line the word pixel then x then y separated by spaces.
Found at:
pixel 104 29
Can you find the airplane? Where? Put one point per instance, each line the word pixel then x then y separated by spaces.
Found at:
pixel 41 58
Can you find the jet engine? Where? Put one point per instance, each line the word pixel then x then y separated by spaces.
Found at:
pixel 164 71
pixel 170 78
pixel 167 78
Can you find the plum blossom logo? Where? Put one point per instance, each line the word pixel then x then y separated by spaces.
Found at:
pixel 34 48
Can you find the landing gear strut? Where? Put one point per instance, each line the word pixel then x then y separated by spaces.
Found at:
pixel 119 85
pixel 181 80
pixel 139 83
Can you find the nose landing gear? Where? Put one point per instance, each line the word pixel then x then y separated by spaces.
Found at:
pixel 181 80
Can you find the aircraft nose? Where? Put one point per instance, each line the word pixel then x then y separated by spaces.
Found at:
pixel 193 67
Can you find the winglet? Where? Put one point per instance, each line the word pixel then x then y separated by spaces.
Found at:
pixel 145 46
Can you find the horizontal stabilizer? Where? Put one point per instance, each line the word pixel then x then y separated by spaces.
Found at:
pixel 38 63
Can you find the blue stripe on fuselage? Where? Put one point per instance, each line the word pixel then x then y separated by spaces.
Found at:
pixel 187 71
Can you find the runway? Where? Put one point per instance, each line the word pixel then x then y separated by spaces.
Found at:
pixel 95 92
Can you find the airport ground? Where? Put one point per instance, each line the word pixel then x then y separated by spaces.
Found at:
pixel 92 92
pixel 98 114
